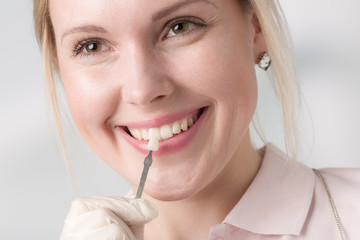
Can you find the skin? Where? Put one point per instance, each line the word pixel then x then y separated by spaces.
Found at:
pixel 143 71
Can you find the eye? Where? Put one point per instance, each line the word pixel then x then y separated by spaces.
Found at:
pixel 90 47
pixel 93 47
pixel 179 28
pixel 183 26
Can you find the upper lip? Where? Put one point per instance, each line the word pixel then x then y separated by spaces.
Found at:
pixel 159 120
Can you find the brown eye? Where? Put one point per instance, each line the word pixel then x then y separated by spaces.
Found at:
pixel 179 28
pixel 90 47
pixel 93 47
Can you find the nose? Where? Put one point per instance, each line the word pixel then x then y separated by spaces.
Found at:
pixel 146 82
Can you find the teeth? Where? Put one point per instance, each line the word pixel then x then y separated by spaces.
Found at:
pixel 132 133
pixel 145 134
pixel 137 134
pixel 176 129
pixel 184 125
pixel 164 132
pixel 154 133
pixel 191 122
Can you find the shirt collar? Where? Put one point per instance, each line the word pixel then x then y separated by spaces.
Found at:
pixel 278 199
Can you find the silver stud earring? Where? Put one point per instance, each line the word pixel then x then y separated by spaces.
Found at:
pixel 264 61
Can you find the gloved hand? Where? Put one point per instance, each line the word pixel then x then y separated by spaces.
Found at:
pixel 101 218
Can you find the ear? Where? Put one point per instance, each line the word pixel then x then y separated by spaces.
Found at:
pixel 259 42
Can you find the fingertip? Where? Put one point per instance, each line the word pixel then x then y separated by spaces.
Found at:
pixel 145 208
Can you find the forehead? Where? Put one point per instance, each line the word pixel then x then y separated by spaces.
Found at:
pixel 119 15
pixel 124 8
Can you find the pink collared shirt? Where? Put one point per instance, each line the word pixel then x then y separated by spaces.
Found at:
pixel 287 201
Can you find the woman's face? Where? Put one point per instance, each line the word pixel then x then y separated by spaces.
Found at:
pixel 144 64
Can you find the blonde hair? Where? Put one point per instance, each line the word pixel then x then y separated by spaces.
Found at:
pixel 274 27
pixel 283 75
pixel 46 40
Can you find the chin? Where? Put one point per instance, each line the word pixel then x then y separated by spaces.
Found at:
pixel 170 194
pixel 170 197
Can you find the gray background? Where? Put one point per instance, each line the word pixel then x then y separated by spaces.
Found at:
pixel 35 189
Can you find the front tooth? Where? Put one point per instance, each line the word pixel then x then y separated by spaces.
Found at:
pixel 176 129
pixel 145 134
pixel 184 125
pixel 154 133
pixel 165 132
pixel 191 122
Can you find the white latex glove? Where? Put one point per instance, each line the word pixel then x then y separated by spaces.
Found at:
pixel 105 218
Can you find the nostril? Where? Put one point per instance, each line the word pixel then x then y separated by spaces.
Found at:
pixel 158 98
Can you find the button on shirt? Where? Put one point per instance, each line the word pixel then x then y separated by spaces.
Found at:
pixel 287 201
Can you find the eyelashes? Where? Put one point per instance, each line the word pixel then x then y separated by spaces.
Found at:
pixel 182 25
pixel 90 46
pixel 179 27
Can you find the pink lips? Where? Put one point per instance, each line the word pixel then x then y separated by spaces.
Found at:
pixel 159 121
pixel 174 144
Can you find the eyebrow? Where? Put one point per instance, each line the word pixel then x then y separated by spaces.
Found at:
pixel 84 28
pixel 172 8
pixel 161 14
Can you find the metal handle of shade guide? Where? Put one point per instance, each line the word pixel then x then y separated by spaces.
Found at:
pixel 147 164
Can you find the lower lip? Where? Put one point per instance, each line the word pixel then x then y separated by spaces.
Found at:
pixel 171 145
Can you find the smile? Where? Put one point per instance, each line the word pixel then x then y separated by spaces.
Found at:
pixel 173 131
pixel 166 131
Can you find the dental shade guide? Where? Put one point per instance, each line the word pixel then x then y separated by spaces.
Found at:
pixel 153 145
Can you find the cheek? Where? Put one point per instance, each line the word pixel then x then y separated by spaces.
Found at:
pixel 90 96
pixel 220 70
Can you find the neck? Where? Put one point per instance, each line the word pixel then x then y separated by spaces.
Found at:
pixel 193 217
